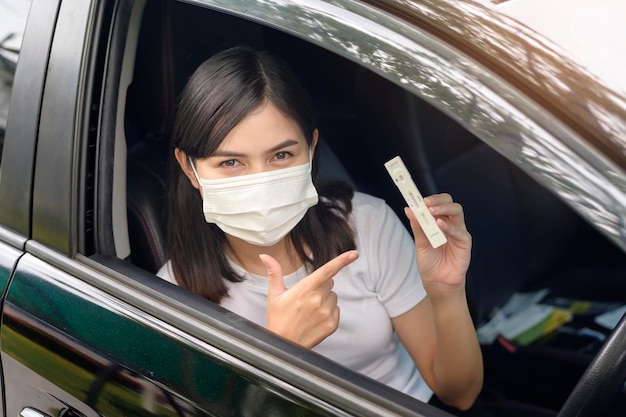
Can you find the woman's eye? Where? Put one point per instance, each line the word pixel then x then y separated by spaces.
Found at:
pixel 230 163
pixel 283 155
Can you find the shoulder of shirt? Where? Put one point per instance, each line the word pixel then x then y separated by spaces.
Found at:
pixel 369 209
pixel 364 201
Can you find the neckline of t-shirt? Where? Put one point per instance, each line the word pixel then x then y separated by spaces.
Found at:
pixel 260 282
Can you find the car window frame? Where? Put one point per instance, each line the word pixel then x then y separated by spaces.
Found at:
pixel 55 205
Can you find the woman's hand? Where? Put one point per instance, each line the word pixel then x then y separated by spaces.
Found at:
pixel 306 313
pixel 443 269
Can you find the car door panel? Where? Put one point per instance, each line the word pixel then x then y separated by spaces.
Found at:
pixel 100 355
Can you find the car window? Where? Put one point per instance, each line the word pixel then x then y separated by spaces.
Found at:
pixel 348 107
pixel 455 127
pixel 13 15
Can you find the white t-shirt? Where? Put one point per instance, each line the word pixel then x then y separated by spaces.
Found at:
pixel 382 283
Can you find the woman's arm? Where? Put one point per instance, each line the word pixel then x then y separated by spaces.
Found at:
pixel 442 342
pixel 438 333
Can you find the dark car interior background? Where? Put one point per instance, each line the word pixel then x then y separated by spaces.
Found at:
pixel 524 237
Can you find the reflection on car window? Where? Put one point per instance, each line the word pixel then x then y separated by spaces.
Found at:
pixel 13 14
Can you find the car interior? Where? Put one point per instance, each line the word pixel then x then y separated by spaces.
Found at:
pixel 524 237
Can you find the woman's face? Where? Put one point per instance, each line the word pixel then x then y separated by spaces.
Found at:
pixel 266 140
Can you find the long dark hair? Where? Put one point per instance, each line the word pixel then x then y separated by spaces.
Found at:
pixel 221 93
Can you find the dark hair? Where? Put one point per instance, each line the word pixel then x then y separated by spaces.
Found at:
pixel 221 93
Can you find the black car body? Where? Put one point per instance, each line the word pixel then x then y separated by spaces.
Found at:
pixel 528 141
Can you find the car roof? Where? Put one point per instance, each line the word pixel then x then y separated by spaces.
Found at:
pixel 593 32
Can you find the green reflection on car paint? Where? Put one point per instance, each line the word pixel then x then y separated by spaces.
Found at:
pixel 8 257
pixel 102 345
pixel 114 398
pixel 117 337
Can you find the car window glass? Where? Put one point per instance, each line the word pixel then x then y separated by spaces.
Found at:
pixel 13 15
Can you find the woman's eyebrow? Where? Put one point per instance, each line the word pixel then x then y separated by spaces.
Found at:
pixel 227 154
pixel 232 154
pixel 286 143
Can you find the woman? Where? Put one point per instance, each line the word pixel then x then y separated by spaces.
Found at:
pixel 267 246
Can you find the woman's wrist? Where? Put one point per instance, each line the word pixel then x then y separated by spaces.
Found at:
pixel 440 292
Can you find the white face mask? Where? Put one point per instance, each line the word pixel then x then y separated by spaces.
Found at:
pixel 259 208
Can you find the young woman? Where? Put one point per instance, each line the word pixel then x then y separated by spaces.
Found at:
pixel 251 230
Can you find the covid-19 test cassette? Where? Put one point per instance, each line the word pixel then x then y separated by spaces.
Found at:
pixel 402 178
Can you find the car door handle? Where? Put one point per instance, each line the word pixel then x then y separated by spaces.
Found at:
pixel 31 412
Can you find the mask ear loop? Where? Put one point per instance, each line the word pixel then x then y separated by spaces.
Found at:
pixel 193 167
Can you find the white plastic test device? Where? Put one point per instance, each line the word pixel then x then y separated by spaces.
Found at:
pixel 402 178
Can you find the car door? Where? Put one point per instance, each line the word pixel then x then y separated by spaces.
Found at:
pixel 86 333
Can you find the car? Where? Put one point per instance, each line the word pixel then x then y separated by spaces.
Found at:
pixel 479 105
